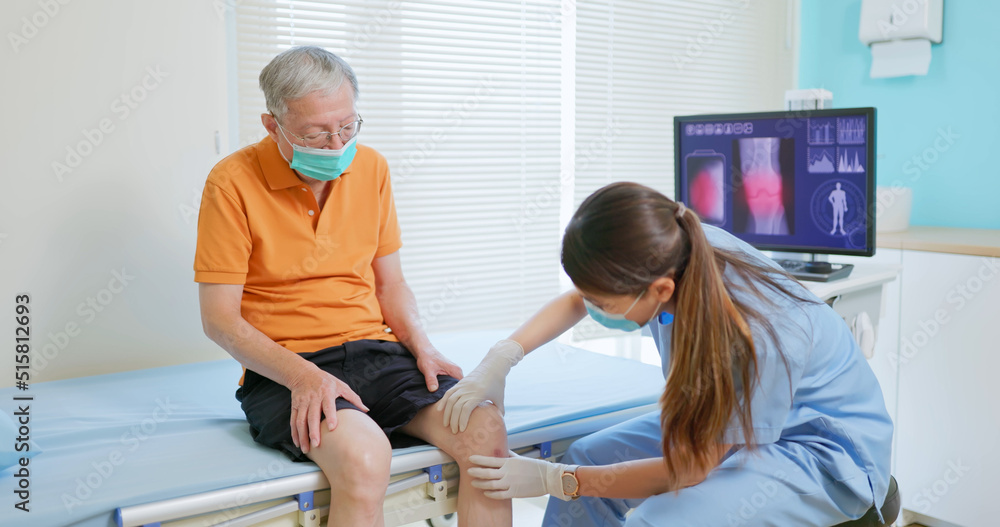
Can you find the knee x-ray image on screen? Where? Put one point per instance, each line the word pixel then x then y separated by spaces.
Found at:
pixel 763 201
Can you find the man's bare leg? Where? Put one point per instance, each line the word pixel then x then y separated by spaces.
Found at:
pixel 486 435
pixel 355 458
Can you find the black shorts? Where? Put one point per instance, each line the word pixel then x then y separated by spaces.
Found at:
pixel 384 375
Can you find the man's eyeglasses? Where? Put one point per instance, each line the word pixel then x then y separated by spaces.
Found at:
pixel 321 139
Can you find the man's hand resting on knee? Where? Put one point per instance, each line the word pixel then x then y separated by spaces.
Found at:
pixel 314 393
pixel 431 363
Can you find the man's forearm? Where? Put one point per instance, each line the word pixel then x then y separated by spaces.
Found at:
pixel 399 308
pixel 256 351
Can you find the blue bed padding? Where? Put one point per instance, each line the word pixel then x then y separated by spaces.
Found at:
pixel 135 437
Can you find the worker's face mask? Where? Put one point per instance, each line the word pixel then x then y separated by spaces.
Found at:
pixel 616 321
pixel 320 163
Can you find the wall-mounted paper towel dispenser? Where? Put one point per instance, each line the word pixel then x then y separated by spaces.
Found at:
pixel 883 20
pixel 900 33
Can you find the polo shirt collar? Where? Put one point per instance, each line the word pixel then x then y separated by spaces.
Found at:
pixel 276 171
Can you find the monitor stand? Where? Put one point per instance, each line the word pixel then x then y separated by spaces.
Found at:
pixel 814 269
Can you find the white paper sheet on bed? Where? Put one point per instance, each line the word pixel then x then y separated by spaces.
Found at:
pixel 130 438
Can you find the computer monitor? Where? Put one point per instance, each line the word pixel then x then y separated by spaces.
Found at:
pixel 796 181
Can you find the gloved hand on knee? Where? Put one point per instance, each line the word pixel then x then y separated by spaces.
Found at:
pixel 485 383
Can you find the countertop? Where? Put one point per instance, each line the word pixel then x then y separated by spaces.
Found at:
pixel 954 240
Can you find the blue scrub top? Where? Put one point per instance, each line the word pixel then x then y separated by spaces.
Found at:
pixel 827 399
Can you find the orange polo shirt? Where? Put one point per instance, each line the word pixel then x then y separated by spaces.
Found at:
pixel 307 275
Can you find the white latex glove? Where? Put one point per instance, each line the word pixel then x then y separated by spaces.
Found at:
pixel 518 477
pixel 485 383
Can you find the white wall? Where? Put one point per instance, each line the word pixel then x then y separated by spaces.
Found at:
pixel 130 204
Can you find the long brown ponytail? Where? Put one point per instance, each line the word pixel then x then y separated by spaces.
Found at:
pixel 709 337
pixel 625 236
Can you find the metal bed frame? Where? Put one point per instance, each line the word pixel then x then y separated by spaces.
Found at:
pixel 423 487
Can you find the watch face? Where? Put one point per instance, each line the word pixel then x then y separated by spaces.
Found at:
pixel 569 483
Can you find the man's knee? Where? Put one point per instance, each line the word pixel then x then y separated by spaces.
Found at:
pixel 357 463
pixel 366 459
pixel 485 435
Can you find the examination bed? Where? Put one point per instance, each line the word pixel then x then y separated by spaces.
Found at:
pixel 160 445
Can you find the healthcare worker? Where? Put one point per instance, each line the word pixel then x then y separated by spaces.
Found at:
pixel 770 414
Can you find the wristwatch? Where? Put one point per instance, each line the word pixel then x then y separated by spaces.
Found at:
pixel 570 485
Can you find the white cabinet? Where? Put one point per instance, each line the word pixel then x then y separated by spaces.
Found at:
pixel 948 428
pixel 938 360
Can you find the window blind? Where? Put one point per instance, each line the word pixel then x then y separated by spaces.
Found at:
pixel 468 102
pixel 640 63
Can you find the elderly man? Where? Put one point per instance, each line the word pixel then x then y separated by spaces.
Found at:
pixel 300 281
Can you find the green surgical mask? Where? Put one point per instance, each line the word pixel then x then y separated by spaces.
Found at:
pixel 320 163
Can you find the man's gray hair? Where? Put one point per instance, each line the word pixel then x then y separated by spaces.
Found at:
pixel 299 71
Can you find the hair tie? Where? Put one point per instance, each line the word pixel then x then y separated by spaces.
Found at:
pixel 681 209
